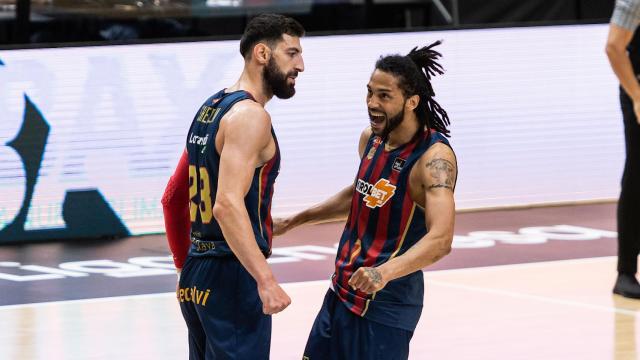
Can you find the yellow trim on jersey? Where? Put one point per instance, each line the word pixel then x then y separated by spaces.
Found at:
pixel 357 248
pixel 404 235
pixel 366 305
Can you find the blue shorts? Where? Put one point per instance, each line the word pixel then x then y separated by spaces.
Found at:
pixel 339 334
pixel 220 304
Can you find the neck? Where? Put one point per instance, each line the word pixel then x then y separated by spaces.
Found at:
pixel 404 132
pixel 252 82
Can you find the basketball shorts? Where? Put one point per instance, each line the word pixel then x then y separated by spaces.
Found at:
pixel 339 334
pixel 220 304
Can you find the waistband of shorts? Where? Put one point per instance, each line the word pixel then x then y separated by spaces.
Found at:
pixel 216 248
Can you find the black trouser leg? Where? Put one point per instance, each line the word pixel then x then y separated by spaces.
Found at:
pixel 629 202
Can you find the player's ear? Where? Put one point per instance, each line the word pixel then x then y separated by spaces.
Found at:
pixel 262 53
pixel 413 102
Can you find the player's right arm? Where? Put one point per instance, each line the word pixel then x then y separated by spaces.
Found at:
pixel 620 34
pixel 335 208
pixel 246 135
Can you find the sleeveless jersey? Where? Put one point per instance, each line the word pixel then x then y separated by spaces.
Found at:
pixel 204 162
pixel 384 222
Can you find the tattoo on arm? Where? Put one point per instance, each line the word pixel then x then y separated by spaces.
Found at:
pixel 442 171
pixel 374 274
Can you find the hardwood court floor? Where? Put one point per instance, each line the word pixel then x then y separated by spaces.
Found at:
pixel 520 284
pixel 547 310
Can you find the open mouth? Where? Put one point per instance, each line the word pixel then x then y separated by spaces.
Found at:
pixel 377 119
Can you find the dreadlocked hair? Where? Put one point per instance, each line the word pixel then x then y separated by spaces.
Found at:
pixel 414 72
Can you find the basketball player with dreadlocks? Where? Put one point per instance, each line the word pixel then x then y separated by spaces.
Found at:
pixel 400 215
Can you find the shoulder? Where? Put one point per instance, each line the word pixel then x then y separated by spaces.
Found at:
pixel 438 165
pixel 246 125
pixel 439 150
pixel 366 134
pixel 247 114
pixel 364 139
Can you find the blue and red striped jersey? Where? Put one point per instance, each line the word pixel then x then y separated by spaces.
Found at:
pixel 384 222
pixel 204 163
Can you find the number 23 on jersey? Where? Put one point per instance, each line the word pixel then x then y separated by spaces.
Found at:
pixel 200 184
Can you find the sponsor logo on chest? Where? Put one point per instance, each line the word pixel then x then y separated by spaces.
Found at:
pixel 376 195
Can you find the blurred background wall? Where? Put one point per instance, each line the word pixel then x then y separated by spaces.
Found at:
pixel 96 98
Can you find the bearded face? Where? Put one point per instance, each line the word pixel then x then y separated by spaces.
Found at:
pixel 277 82
pixel 382 124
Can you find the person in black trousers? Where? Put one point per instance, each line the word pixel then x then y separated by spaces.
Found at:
pixel 623 50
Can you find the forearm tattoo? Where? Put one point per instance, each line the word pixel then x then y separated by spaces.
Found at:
pixel 374 275
pixel 443 173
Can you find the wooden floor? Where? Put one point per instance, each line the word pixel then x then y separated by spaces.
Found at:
pixel 546 310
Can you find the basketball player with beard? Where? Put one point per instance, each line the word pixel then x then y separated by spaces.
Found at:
pixel 217 204
pixel 400 215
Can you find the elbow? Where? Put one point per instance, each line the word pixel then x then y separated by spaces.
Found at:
pixel 609 51
pixel 219 211
pixel 445 244
pixel 446 248
pixel 613 50
pixel 167 196
pixel 222 208
pixel 171 196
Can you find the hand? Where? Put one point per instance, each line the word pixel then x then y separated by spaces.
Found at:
pixel 636 110
pixel 273 297
pixel 368 280
pixel 281 226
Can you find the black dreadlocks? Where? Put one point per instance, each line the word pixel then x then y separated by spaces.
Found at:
pixel 414 72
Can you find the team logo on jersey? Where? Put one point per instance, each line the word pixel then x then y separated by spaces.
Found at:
pixel 376 195
pixel 398 164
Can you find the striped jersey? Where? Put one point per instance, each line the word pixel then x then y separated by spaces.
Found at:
pixel 204 163
pixel 384 222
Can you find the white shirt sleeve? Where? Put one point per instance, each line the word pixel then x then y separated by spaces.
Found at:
pixel 626 14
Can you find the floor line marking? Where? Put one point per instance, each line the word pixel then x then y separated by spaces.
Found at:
pixel 534 297
pixel 429 273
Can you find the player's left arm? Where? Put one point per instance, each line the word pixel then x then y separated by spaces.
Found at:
pixel 175 207
pixel 437 176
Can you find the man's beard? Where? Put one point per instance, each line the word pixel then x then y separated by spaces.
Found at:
pixel 275 82
pixel 392 123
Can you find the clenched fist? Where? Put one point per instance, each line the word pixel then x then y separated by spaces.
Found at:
pixel 273 297
pixel 367 280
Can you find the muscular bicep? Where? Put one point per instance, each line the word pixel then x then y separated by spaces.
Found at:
pixel 439 175
pixel 440 169
pixel 245 137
